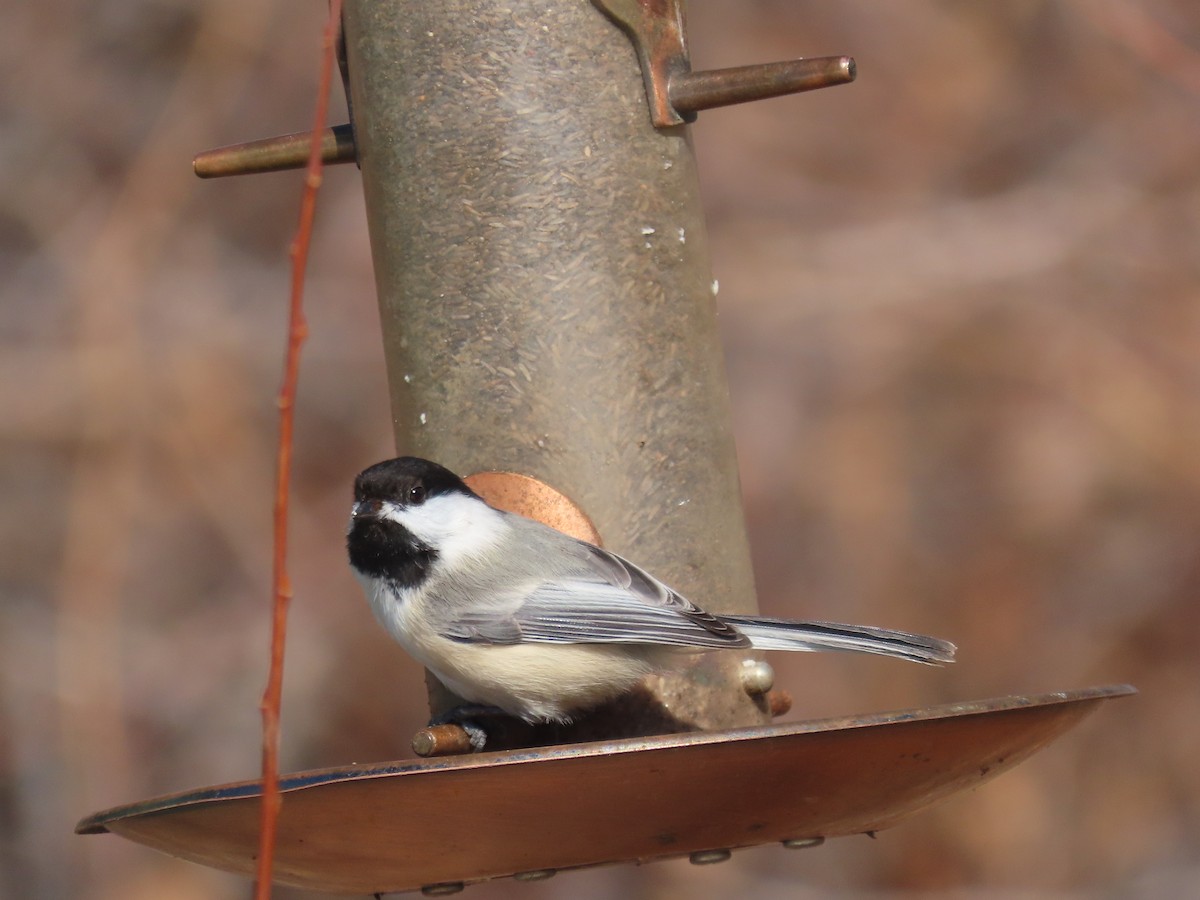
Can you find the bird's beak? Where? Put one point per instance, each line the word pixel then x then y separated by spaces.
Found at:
pixel 366 509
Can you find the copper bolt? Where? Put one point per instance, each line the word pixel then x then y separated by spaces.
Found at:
pixel 289 151
pixel 691 92
pixel 442 740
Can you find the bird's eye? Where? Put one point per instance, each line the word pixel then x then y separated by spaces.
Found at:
pixel 416 494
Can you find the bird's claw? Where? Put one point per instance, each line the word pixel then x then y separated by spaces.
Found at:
pixel 464 716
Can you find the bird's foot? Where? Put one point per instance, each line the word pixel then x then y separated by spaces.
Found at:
pixel 465 716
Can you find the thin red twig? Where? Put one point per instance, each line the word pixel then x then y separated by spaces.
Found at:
pixel 281 584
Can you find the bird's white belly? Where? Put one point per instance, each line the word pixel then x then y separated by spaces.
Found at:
pixel 536 682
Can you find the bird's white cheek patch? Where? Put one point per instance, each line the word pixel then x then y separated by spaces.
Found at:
pixel 455 525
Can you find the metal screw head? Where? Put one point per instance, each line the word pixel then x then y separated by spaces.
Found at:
pixel 757 676
pixel 707 857
pixel 779 703
pixel 801 843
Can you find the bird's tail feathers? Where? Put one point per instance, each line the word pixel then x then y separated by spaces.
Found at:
pixel 784 634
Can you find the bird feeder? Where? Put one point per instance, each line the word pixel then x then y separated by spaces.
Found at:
pixel 549 322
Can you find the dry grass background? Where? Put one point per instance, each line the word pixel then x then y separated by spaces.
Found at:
pixel 961 306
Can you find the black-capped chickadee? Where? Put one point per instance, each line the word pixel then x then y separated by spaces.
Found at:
pixel 510 613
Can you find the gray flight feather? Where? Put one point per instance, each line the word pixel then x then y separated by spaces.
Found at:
pixel 784 634
pixel 589 596
pixel 575 593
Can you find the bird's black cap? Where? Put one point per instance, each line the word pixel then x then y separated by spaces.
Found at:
pixel 407 479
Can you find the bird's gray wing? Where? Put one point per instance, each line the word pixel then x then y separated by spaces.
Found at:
pixel 604 599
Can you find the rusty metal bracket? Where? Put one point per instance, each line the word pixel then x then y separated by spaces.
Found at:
pixel 676 93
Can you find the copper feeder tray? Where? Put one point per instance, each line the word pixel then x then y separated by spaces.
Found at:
pixel 438 823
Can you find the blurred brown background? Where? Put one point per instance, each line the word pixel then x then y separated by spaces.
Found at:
pixel 961 307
